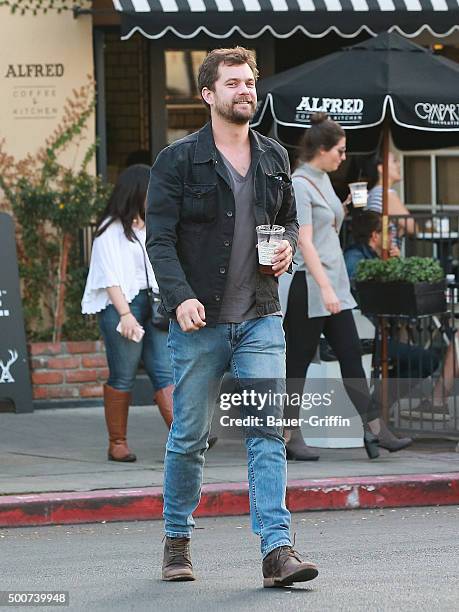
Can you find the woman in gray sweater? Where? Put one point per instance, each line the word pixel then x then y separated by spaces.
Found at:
pixel 320 299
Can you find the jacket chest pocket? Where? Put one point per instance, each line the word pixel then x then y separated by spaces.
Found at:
pixel 199 203
pixel 276 184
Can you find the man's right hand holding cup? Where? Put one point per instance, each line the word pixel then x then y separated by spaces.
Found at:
pixel 191 315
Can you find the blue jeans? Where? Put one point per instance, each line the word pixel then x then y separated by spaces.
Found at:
pixel 253 349
pixel 124 355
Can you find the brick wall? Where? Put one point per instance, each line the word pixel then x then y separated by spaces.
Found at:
pixel 68 370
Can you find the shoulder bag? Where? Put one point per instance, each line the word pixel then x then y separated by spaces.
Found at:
pixel 158 320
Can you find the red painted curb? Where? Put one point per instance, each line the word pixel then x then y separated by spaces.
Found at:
pixel 230 499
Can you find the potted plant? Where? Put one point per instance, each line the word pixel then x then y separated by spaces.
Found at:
pixel 411 286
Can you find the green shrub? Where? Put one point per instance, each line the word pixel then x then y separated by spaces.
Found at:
pixel 51 203
pixel 398 269
pixel 76 326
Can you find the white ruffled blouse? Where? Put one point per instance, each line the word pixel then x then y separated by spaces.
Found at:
pixel 116 262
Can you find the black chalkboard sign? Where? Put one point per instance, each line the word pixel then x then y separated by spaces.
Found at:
pixel 14 365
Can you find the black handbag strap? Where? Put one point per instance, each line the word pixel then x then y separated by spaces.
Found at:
pixel 149 289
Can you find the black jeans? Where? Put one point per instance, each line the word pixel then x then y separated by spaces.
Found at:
pixel 302 337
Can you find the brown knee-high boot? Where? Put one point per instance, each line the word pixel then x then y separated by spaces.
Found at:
pixel 116 404
pixel 163 399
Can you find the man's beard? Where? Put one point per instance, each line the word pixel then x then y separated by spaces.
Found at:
pixel 230 113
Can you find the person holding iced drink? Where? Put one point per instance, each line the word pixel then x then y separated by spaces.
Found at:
pixel 209 192
pixel 320 299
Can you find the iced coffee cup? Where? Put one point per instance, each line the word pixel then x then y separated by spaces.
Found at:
pixel 269 238
pixel 441 226
pixel 359 194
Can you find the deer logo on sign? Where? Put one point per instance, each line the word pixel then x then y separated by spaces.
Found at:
pixel 6 376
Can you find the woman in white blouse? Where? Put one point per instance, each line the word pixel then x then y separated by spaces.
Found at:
pixel 117 290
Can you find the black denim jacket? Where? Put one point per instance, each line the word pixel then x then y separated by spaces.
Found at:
pixel 190 219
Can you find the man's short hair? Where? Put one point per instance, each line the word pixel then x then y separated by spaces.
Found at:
pixel 208 71
pixel 364 223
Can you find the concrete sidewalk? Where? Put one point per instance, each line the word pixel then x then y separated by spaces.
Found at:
pixel 64 451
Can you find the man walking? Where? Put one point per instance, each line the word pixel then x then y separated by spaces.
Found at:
pixel 207 193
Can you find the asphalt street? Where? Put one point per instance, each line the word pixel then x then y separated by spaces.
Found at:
pixel 398 560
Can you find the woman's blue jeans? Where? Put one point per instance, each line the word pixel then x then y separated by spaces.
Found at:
pixel 124 355
pixel 254 350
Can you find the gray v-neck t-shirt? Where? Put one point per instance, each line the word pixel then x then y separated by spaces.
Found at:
pixel 239 299
pixel 325 213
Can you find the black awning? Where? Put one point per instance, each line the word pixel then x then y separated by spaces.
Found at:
pixel 221 19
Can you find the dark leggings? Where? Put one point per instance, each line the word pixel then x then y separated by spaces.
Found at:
pixel 303 336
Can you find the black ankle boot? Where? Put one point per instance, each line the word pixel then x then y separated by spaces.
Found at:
pixel 297 450
pixel 370 442
pixel 389 441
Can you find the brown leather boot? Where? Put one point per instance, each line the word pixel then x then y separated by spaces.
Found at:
pixel 116 404
pixel 283 566
pixel 163 399
pixel 177 564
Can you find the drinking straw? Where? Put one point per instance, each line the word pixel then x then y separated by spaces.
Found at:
pixel 270 229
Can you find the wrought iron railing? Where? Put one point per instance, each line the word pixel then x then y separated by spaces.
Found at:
pixel 421 234
pixel 422 374
pixel 422 351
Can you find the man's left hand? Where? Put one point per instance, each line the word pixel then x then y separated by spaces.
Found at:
pixel 282 258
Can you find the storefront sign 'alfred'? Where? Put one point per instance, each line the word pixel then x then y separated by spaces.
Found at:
pixel 17 71
pixel 344 110
pixel 33 90
pixel 14 367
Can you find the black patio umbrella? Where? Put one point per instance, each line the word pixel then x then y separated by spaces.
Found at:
pixel 359 86
pixel 385 83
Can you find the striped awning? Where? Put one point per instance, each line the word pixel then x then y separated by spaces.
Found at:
pixel 221 19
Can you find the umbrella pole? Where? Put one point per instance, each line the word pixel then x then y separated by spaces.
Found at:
pixel 385 255
pixel 385 187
